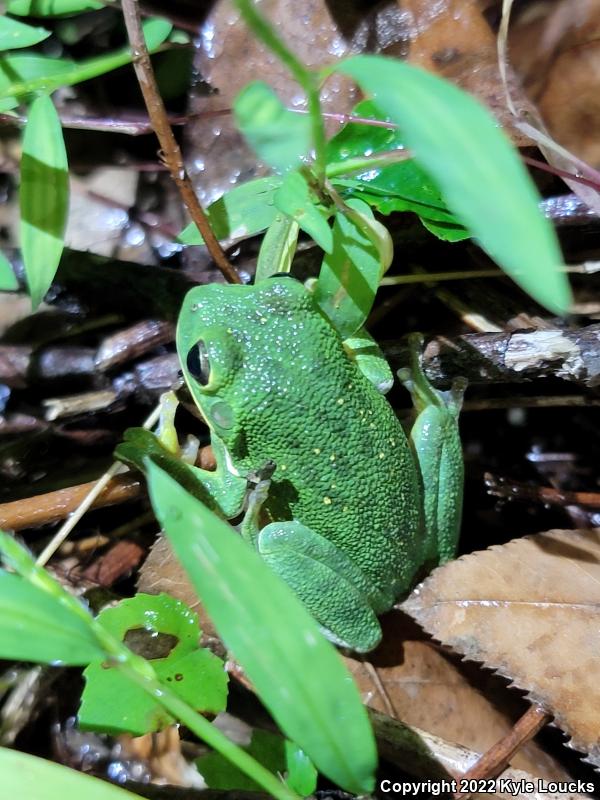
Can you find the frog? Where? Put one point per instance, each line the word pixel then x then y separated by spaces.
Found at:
pixel 310 455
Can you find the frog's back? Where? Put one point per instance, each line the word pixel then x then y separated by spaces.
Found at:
pixel 344 467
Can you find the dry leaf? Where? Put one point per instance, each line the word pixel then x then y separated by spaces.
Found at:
pixel 555 46
pixel 529 609
pixel 417 683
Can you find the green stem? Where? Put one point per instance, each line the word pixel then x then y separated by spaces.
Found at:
pixel 209 733
pixel 363 163
pixel 141 672
pixel 307 79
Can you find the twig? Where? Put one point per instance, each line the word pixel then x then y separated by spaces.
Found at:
pixel 53 506
pixel 498 757
pixel 502 487
pixel 171 152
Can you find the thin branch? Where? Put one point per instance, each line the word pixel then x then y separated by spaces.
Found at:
pixel 171 152
pixel 498 757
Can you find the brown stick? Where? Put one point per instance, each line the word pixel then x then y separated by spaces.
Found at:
pixel 498 757
pixel 170 149
pixel 42 509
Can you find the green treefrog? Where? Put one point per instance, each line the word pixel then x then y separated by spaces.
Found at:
pixel 353 509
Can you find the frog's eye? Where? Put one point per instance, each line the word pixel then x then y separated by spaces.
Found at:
pixel 198 364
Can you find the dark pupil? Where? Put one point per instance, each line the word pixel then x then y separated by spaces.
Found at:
pixel 198 364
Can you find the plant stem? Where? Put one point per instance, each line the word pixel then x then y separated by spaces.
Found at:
pixel 307 79
pixel 209 733
pixel 170 149
pixel 363 163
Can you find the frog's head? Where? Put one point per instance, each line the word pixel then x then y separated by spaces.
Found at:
pixel 225 337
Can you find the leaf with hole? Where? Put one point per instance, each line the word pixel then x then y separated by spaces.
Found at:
pixel 164 631
pixel 297 673
pixel 481 177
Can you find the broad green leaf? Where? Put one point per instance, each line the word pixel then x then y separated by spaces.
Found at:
pixel 8 279
pixel 277 248
pixel 350 274
pixel 294 198
pixel 400 186
pixel 297 673
pixel 44 196
pixel 279 137
pixel 27 777
pixel 50 8
pixel 22 75
pixel 166 632
pixel 277 754
pixel 244 211
pixel 478 171
pixel 34 626
pixel 16 34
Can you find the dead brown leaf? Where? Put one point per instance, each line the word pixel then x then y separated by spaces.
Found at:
pixel 416 682
pixel 529 609
pixel 555 46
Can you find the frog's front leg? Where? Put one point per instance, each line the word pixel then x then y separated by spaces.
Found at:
pixel 435 440
pixel 225 489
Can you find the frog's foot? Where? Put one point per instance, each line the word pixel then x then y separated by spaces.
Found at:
pixel 330 585
pixel 437 448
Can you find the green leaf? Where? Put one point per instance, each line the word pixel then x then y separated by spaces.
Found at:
pixel 16 34
pixel 244 211
pixel 399 186
pixel 166 632
pixel 44 196
pixel 350 274
pixel 294 198
pixel 277 754
pixel 27 777
pixel 296 671
pixel 34 626
pixel 50 8
pixel 277 248
pixel 8 279
pixel 25 68
pixel 480 174
pixel 22 75
pixel 279 137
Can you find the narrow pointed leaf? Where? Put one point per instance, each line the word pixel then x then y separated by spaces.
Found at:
pixel 44 196
pixel 27 777
pixel 480 174
pixel 296 671
pixel 16 34
pixel 279 137
pixel 8 280
pixel 34 626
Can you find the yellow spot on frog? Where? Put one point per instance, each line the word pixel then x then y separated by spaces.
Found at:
pixel 327 501
pixel 340 402
pixel 317 451
pixel 332 457
pixel 283 467
pixel 381 455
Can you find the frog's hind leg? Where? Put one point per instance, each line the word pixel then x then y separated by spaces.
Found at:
pixel 331 586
